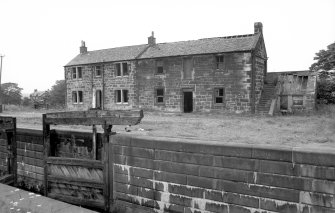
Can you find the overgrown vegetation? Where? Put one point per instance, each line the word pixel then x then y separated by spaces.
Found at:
pixel 325 67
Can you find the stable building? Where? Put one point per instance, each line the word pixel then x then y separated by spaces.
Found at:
pixel 211 74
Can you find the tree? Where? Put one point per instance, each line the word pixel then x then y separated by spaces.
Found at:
pixel 325 67
pixel 325 64
pixel 57 93
pixel 11 93
pixel 26 101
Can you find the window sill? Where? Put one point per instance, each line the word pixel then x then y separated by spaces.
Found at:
pixel 122 103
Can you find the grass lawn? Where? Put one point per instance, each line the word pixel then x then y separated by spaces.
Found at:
pixel 315 129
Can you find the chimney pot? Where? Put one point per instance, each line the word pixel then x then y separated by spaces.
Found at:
pixel 258 27
pixel 83 48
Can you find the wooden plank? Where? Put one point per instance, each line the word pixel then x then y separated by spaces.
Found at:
pixel 46 143
pixel 94 142
pixel 75 162
pixel 105 160
pixel 30 146
pixel 31 161
pixel 96 121
pixel 78 201
pixel 76 181
pixel 14 150
pixel 111 173
pixel 31 154
pixel 96 114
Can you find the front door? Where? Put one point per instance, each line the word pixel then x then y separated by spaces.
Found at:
pixel 188 101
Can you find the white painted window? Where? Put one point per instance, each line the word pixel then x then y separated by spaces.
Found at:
pixel 122 69
pixel 77 97
pixel 121 96
pixel 77 72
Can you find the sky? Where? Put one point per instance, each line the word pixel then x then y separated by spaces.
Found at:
pixel 39 37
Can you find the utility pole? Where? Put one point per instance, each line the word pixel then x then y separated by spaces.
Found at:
pixel 1 56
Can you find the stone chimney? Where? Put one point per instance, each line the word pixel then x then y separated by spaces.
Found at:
pixel 83 48
pixel 152 39
pixel 258 27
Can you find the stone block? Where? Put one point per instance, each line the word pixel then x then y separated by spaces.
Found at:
pixel 278 205
pixel 206 183
pixel 189 191
pixel 284 181
pixel 272 153
pixel 133 151
pixel 215 207
pixel 179 168
pixel 277 167
pixel 183 157
pixel 227 174
pixel 236 163
pixel 180 200
pixel 315 157
pixel 170 177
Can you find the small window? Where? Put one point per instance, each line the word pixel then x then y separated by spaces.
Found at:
pixel 125 96
pixel 187 67
pixel 298 100
pixel 97 71
pixel 80 96
pixel 74 97
pixel 98 99
pixel 118 96
pixel 121 96
pixel 124 69
pixel 160 95
pixel 159 67
pixel 74 73
pixel 79 72
pixel 304 82
pixel 219 62
pixel 118 69
pixel 219 95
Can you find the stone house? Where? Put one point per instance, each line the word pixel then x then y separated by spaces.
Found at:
pixel 221 73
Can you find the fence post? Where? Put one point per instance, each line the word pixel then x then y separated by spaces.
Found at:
pixel 105 160
pixel 46 146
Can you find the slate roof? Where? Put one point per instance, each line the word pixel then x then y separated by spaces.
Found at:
pixel 182 48
pixel 112 54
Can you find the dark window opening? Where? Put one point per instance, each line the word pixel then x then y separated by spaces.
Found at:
pixel 80 96
pixel 121 96
pixel 74 73
pixel 118 69
pixel 219 95
pixel 160 95
pixel 98 100
pixel 304 82
pixel 124 69
pixel 118 96
pixel 97 71
pixel 125 96
pixel 187 67
pixel 74 97
pixel 159 67
pixel 219 62
pixel 80 74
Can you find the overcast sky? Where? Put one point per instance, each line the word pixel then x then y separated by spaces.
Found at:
pixel 38 37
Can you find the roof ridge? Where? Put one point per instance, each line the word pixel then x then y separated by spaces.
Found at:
pixel 117 47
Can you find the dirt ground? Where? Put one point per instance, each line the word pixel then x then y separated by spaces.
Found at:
pixel 315 129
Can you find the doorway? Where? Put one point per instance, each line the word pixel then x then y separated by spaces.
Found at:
pixel 188 101
pixel 98 99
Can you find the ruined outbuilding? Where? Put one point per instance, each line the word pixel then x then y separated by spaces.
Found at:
pixel 289 92
pixel 221 73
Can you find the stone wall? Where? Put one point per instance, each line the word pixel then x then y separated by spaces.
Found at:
pixel 176 175
pixel 234 78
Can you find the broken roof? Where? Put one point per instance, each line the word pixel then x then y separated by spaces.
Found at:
pixel 182 48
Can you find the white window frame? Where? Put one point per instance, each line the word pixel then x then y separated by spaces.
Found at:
pixel 96 70
pixel 76 93
pixel 75 72
pixel 122 65
pixel 122 91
